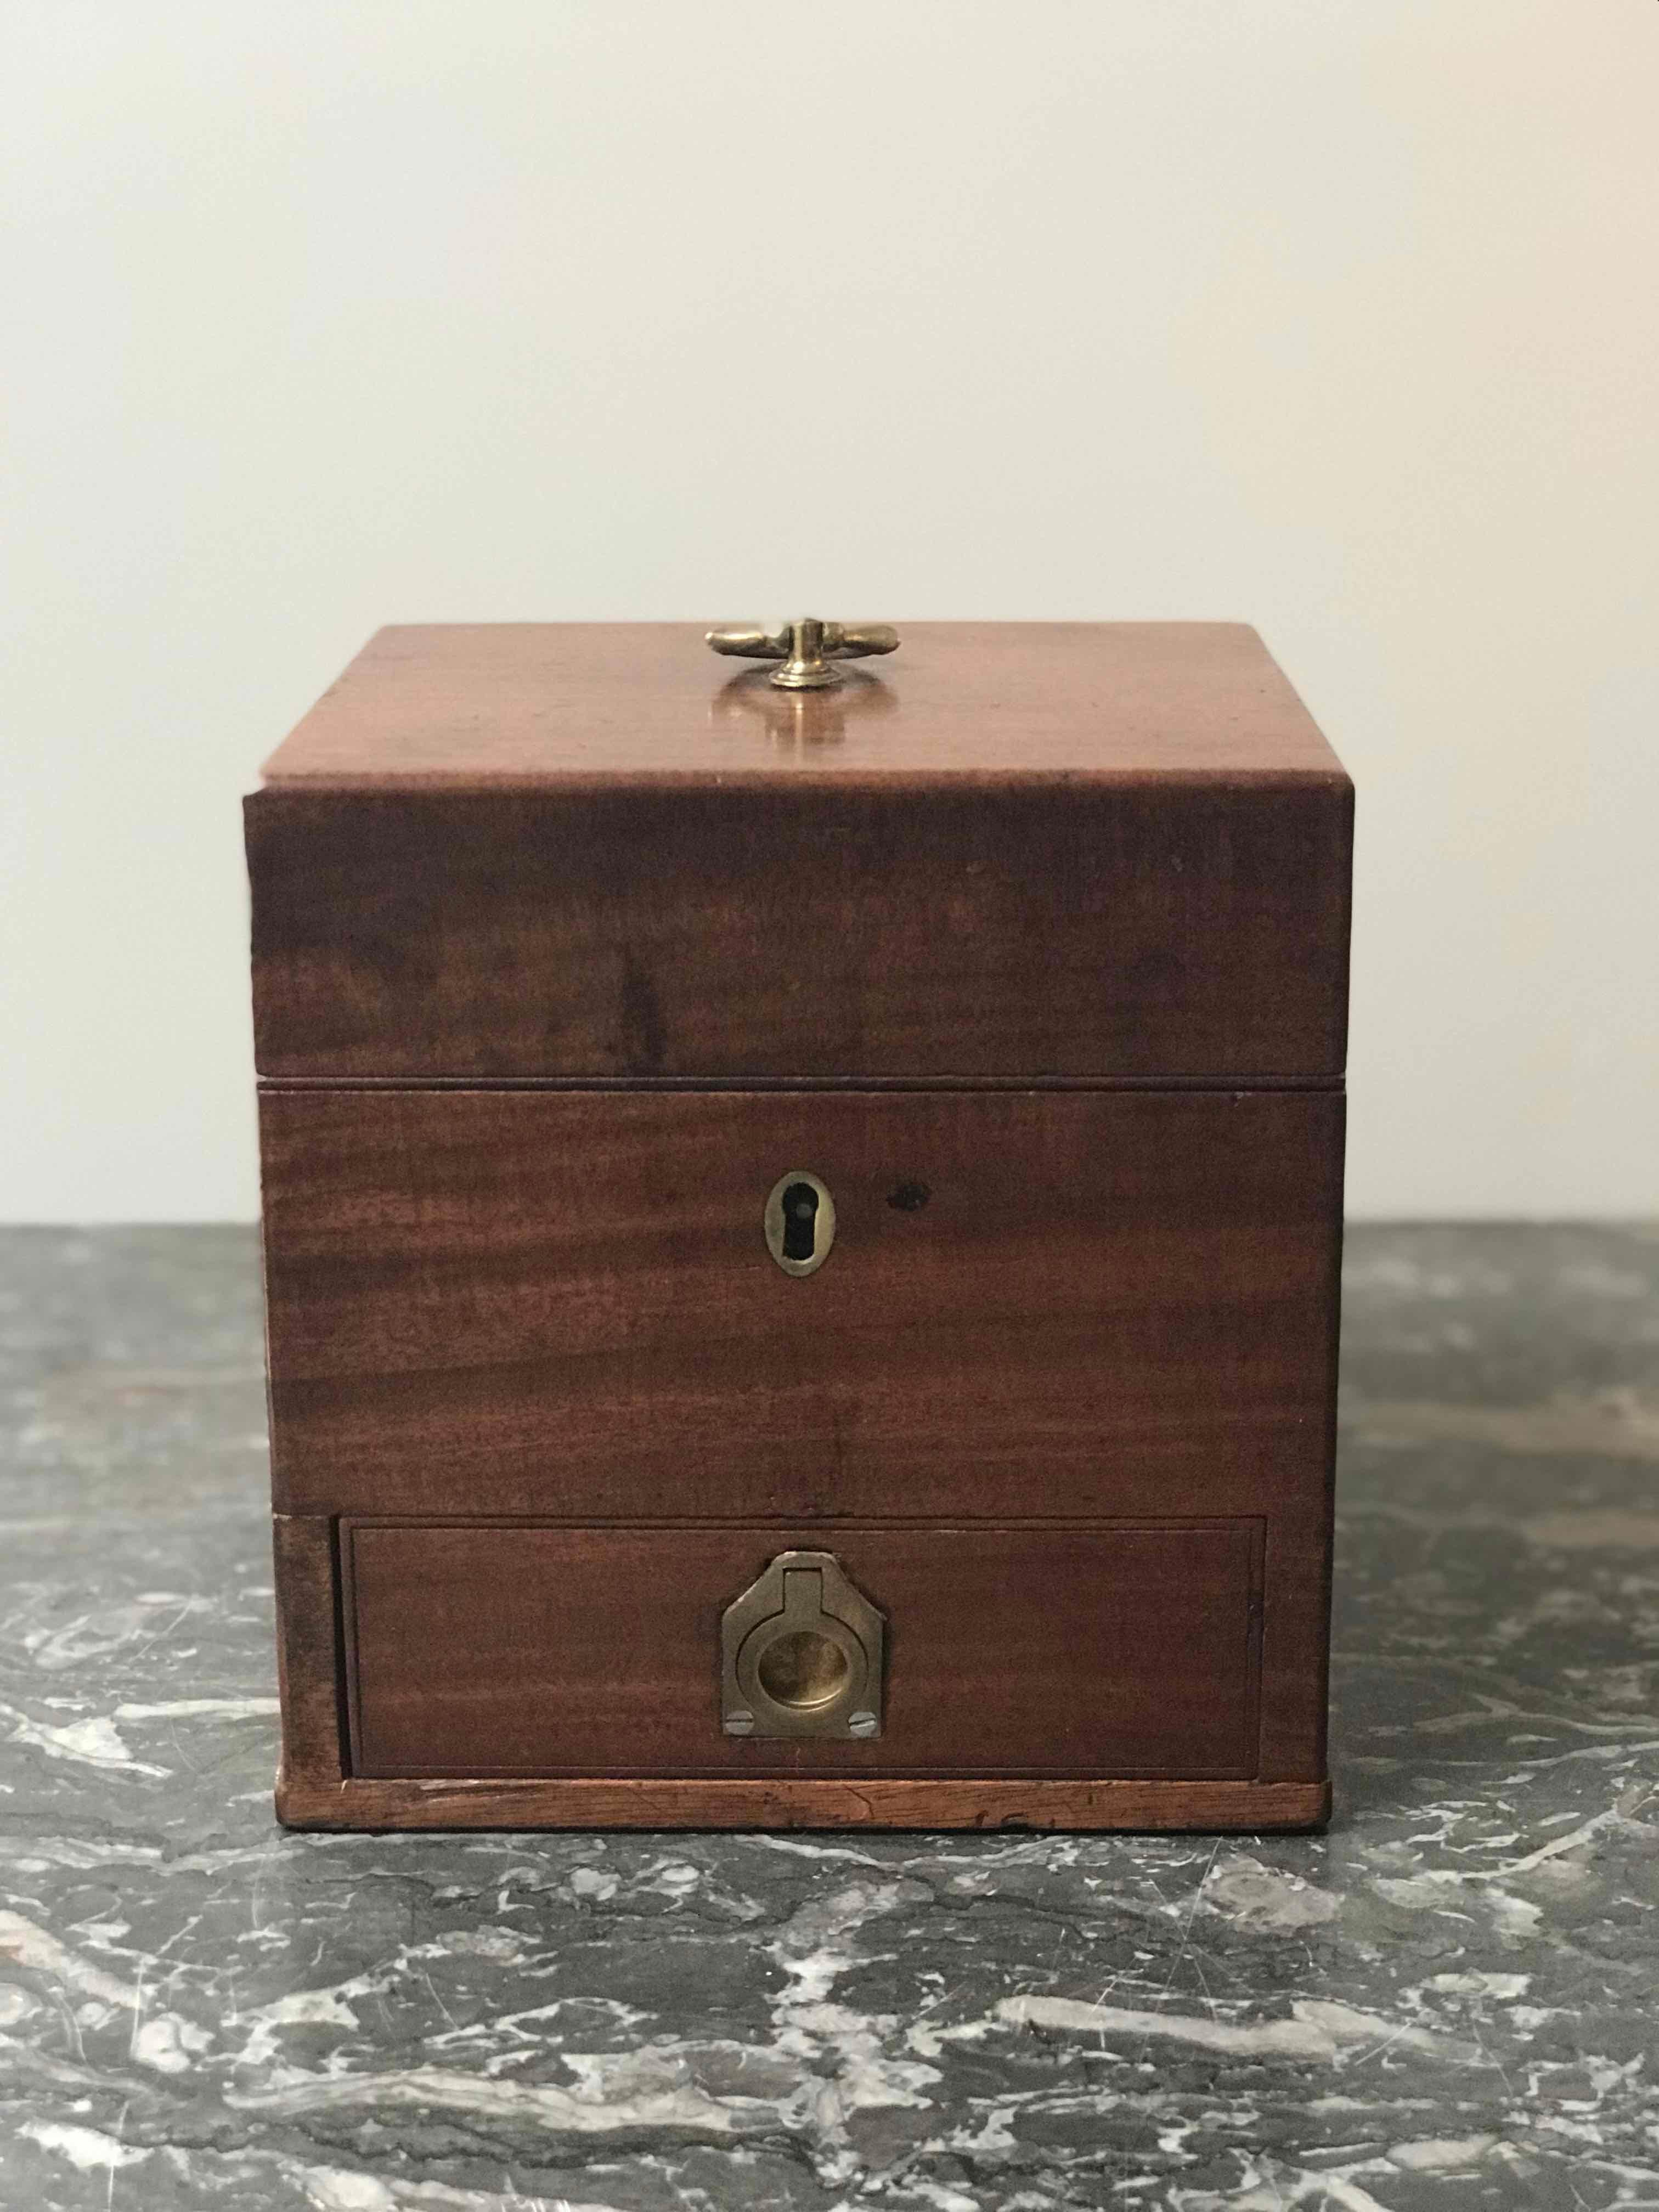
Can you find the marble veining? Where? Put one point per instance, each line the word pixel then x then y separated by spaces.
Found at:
pixel 1450 2000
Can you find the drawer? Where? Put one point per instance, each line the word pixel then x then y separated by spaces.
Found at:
pixel 562 1304
pixel 521 1650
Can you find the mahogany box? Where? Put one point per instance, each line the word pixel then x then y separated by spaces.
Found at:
pixel 801 1231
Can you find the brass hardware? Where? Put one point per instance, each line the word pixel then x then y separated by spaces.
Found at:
pixel 807 648
pixel 800 1222
pixel 801 1654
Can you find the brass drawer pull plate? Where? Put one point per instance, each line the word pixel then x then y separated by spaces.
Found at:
pixel 801 1654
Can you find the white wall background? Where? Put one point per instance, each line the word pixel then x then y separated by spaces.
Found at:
pixel 1335 315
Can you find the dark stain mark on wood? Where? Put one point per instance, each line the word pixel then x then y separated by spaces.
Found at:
pixel 909 1197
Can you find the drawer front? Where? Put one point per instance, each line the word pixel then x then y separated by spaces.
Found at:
pixel 525 1650
pixel 562 1304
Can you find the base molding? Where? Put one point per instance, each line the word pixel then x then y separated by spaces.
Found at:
pixel 883 1802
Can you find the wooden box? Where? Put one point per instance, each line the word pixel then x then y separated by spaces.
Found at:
pixel 582 966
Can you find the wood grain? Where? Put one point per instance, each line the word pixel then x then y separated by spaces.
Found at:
pixel 1081 1650
pixel 537 1304
pixel 871 1802
pixel 308 1650
pixel 566 944
pixel 543 1303
pixel 1073 850
pixel 466 704
pixel 723 932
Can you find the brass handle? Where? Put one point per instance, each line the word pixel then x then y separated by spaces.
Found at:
pixel 806 648
pixel 801 1652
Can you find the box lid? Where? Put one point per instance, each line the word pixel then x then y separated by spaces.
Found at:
pixel 1090 851
pixel 498 704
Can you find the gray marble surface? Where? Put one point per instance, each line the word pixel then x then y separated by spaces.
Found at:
pixel 1450 2000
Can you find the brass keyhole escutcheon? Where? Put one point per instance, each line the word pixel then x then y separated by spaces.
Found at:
pixel 800 1222
pixel 801 1652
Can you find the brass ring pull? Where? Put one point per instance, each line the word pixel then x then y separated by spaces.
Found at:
pixel 806 648
pixel 801 1654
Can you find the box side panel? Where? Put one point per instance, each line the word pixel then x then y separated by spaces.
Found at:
pixel 531 1302
pixel 1185 928
pixel 308 1659
pixel 1296 1634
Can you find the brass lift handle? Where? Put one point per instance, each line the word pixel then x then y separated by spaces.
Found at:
pixel 801 1654
pixel 806 649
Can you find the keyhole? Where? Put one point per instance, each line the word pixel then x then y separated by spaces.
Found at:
pixel 799 1221
pixel 800 1214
